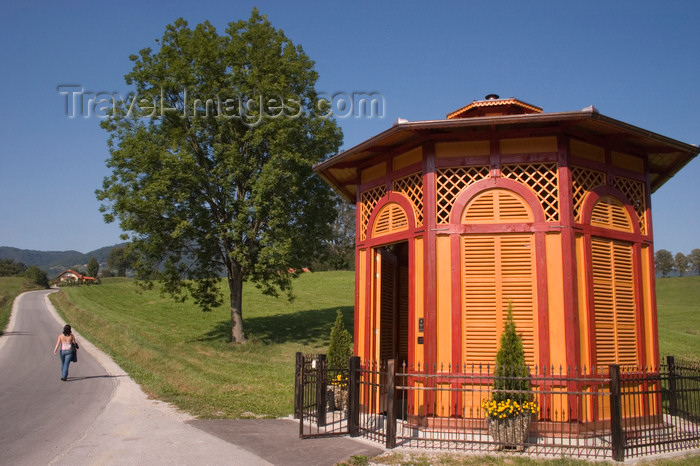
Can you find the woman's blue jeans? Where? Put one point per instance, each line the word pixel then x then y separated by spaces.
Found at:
pixel 66 356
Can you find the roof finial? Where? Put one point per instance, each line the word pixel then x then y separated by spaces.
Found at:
pixel 492 97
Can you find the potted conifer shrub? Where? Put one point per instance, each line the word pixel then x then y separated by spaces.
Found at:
pixel 509 410
pixel 339 351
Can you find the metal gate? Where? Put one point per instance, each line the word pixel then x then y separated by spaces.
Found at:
pixel 320 397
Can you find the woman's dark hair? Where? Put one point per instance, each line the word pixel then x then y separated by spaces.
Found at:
pixel 66 330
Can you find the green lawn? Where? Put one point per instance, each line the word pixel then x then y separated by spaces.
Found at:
pixel 182 355
pixel 10 288
pixel 678 304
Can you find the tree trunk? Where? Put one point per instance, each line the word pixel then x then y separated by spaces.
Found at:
pixel 235 284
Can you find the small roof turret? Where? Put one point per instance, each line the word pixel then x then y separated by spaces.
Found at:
pixel 493 105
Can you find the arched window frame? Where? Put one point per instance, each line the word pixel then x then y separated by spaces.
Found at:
pixel 405 204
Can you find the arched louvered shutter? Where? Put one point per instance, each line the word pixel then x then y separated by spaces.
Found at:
pixel 390 219
pixel 614 301
pixel 497 206
pixel 609 212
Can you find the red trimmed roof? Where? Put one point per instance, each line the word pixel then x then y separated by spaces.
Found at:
pixel 666 156
pixel 493 105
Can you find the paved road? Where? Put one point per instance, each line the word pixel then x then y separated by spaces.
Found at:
pixel 102 417
pixel 41 413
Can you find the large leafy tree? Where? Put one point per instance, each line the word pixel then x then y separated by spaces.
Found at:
pixel 664 261
pixel 681 263
pixel 212 162
pixel 338 252
pixel 120 259
pixel 9 268
pixel 694 259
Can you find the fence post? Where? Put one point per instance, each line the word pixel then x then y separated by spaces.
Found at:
pixel 672 394
pixel 298 386
pixel 391 403
pixel 616 433
pixel 321 387
pixel 354 396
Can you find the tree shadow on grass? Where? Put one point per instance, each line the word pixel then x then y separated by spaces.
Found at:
pixel 304 327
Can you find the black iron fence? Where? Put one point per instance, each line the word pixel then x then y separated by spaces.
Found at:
pixel 599 413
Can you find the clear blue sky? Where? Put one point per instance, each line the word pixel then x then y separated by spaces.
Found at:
pixel 636 61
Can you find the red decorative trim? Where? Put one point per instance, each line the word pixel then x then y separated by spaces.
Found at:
pixel 495 159
pixel 569 257
pixel 430 276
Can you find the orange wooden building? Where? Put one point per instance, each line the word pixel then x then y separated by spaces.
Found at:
pixel 502 203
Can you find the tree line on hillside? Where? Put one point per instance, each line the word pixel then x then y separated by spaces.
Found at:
pixel 667 263
pixel 10 268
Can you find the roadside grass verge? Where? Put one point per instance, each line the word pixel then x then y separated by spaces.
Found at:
pixel 181 355
pixel 10 288
pixel 678 307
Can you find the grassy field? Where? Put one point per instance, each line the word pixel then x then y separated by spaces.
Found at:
pixel 10 288
pixel 182 355
pixel 678 304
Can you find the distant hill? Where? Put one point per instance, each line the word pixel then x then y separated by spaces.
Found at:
pixel 55 262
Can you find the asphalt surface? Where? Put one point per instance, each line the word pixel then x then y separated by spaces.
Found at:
pixel 99 416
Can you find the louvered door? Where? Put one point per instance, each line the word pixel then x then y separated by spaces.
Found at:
pixel 496 270
pixel 388 303
pixel 613 294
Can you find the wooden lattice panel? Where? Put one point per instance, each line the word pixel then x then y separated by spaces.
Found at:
pixel 368 200
pixel 584 181
pixel 636 193
pixel 452 181
pixel 543 179
pixel 412 187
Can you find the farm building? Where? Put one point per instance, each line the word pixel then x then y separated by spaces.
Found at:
pixel 71 276
pixel 501 203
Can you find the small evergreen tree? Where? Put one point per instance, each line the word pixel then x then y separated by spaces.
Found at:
pixel 512 377
pixel 93 267
pixel 340 346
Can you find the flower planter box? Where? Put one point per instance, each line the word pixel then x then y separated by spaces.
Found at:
pixel 337 398
pixel 510 432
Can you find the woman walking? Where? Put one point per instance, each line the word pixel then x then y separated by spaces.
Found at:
pixel 68 345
